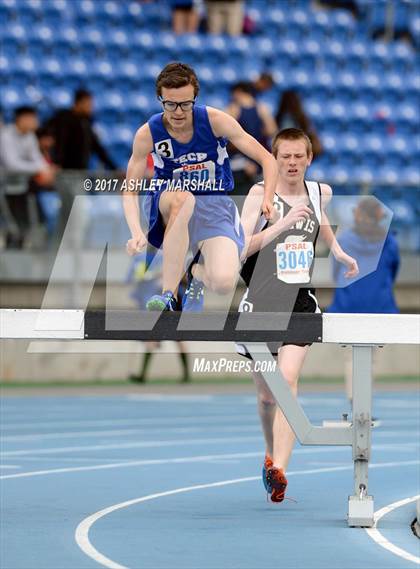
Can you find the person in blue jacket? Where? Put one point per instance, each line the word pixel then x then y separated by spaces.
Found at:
pixel 378 258
pixel 377 254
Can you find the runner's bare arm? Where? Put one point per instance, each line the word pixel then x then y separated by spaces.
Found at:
pixel 226 126
pixel 270 125
pixel 328 236
pixel 136 169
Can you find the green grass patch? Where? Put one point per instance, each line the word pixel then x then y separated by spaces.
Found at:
pixel 225 380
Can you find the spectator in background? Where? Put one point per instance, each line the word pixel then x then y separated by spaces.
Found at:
pixel 291 114
pixel 20 154
pixel 263 84
pixel 225 16
pixel 378 257
pixel 256 119
pixel 185 17
pixel 146 276
pixel 75 139
pixel 49 202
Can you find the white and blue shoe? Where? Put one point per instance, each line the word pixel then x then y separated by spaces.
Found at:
pixel 193 299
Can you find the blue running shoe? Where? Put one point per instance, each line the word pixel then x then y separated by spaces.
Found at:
pixel 193 299
pixel 162 302
pixel 268 463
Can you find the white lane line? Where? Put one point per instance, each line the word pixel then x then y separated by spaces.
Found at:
pixel 376 535
pixel 156 444
pixel 141 444
pixel 170 398
pixel 154 428
pixel 157 461
pixel 128 464
pixel 82 530
pixel 124 422
pixel 11 466
pixel 116 433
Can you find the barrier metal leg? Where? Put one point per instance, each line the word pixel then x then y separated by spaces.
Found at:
pixel 361 507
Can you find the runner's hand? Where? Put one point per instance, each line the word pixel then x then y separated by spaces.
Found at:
pixel 136 244
pixel 267 208
pixel 351 264
pixel 299 212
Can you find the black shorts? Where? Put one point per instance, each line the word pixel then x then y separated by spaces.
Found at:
pixel 305 302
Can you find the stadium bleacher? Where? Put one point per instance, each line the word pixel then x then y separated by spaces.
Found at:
pixel 361 94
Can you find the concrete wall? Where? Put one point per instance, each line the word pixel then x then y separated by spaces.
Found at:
pixel 74 361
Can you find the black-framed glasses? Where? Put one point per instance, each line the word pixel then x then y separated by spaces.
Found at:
pixel 172 106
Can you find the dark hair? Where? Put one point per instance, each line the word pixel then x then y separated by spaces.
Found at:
pixel 291 134
pixel 44 131
pixel 243 86
pixel 176 75
pixel 371 208
pixel 291 104
pixel 24 110
pixel 81 94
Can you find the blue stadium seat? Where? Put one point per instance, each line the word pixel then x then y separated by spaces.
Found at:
pixel 50 205
pixel 22 71
pixel 117 44
pixel 129 73
pixel 85 14
pixel 336 50
pixel 403 56
pixel 134 17
pixel 357 54
pixel 214 50
pixel 143 42
pixel 11 98
pixel 190 48
pixel 8 12
pixel 66 42
pixel 360 117
pixel 415 28
pixel 60 98
pixel 101 74
pixel 343 24
pixel 77 72
pixel 29 14
pixel 110 12
pixel 275 22
pixel 104 221
pixel 92 41
pixel 322 23
pixel 166 47
pixel 58 13
pixel 40 41
pixel 50 73
pixel 5 69
pixel 14 40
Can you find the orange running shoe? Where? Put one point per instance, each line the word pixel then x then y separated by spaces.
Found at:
pixel 268 463
pixel 277 480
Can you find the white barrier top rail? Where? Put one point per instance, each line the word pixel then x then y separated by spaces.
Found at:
pixel 374 329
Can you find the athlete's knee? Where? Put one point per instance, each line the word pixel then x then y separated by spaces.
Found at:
pixel 222 279
pixel 290 376
pixel 181 205
pixel 266 401
pixel 223 283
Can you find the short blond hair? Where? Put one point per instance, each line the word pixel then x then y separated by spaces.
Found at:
pixel 291 134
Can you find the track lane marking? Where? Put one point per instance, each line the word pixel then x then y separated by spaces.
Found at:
pixel 379 538
pixel 82 530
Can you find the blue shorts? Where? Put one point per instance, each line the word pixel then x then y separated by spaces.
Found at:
pixel 213 216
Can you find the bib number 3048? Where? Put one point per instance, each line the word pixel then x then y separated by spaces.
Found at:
pixel 293 261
